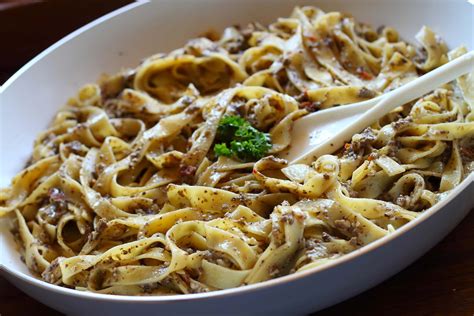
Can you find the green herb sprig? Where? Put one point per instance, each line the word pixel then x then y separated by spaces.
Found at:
pixel 237 138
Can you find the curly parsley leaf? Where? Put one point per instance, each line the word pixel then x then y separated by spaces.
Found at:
pixel 222 150
pixel 228 126
pixel 241 140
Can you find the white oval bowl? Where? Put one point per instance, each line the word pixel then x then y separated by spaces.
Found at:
pixel 29 99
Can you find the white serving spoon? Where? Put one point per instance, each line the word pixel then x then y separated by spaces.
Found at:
pixel 326 131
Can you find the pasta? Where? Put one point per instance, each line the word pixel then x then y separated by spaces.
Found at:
pixel 139 188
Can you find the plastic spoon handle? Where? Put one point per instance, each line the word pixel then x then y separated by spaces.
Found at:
pixel 402 95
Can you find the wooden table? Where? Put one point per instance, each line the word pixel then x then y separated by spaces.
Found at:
pixel 440 283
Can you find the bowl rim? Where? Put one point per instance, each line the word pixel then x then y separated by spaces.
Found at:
pixel 36 282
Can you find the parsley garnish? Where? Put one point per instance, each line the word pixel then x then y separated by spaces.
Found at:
pixel 237 138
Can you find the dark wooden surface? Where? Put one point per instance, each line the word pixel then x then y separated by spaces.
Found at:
pixel 440 283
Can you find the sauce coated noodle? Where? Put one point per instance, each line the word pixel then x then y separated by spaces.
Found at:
pixel 124 195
